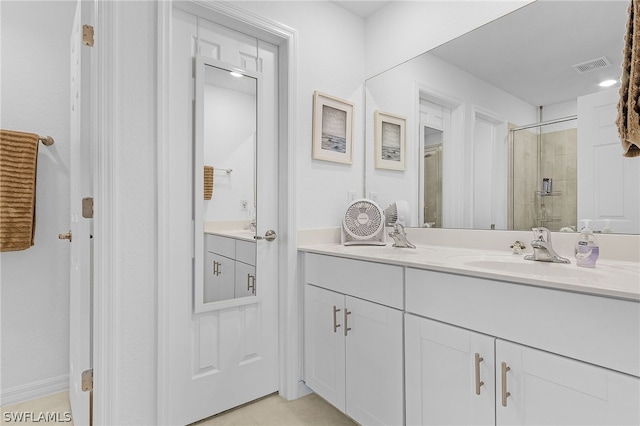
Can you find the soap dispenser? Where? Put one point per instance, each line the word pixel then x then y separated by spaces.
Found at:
pixel 587 249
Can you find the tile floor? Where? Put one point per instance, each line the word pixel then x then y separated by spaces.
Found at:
pixel 271 410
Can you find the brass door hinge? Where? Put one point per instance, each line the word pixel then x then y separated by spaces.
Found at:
pixel 87 207
pixel 87 35
pixel 87 380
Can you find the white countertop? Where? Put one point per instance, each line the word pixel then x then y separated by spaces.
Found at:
pixel 620 279
pixel 238 234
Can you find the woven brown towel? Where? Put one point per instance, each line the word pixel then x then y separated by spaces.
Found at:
pixel 18 166
pixel 208 182
pixel 628 120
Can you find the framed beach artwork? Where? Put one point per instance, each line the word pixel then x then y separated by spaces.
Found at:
pixel 332 129
pixel 390 141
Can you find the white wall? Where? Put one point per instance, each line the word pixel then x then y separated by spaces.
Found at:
pixel 402 30
pixel 229 142
pixel 396 91
pixel 35 282
pixel 331 60
pixel 135 265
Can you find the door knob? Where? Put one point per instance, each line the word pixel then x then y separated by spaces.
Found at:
pixel 270 235
pixel 65 236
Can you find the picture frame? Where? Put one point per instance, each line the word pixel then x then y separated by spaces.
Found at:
pixel 390 141
pixel 332 129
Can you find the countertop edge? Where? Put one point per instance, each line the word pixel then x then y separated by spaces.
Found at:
pixel 326 249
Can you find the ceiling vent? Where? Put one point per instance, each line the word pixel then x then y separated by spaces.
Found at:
pixel 592 65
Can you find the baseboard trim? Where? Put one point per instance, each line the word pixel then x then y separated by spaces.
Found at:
pixel 34 390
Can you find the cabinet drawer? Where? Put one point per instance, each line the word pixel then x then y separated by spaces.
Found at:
pixel 367 280
pixel 246 252
pixel 221 245
pixel 598 330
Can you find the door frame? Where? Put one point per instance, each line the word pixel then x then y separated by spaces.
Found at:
pixel 286 38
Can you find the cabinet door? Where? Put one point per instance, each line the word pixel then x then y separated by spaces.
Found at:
pixel 547 389
pixel 374 363
pixel 324 359
pixel 245 282
pixel 442 374
pixel 219 278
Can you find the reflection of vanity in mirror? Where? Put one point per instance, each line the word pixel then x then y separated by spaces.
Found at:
pixel 225 183
pixel 507 127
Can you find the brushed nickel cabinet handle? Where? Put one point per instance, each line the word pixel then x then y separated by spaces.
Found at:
pixel 505 394
pixel 346 321
pixel 335 319
pixel 251 283
pixel 479 383
pixel 217 268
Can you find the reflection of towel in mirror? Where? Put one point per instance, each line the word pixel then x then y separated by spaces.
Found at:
pixel 18 163
pixel 628 120
pixel 208 182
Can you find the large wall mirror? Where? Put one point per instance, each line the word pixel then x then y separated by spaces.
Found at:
pixel 226 129
pixel 500 125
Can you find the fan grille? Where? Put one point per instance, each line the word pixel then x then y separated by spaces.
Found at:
pixel 363 219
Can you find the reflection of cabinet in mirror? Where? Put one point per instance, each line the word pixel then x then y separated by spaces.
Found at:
pixel 229 268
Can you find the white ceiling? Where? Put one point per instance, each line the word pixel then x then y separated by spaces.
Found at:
pixel 362 8
pixel 530 52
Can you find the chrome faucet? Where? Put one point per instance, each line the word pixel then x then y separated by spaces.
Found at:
pixel 400 237
pixel 542 249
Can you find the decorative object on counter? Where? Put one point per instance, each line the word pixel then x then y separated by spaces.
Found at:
pixel 400 237
pixel 363 224
pixel 517 247
pixel 587 249
pixel 542 249
pixel 332 129
pixel 18 162
pixel 628 119
pixel 546 186
pixel 390 141
pixel 208 182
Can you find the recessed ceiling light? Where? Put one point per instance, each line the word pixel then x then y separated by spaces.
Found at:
pixel 235 74
pixel 608 83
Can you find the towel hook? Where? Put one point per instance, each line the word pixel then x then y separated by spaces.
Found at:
pixel 46 140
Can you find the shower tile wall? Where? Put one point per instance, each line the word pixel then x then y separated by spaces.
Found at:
pixel 525 179
pixel 558 161
pixel 558 156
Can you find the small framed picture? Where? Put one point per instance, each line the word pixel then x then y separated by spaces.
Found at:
pixel 332 129
pixel 390 141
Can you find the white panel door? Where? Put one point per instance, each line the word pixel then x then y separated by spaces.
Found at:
pixel 607 182
pixel 547 389
pixel 445 383
pixel 228 355
pixel 374 359
pixel 81 186
pixel 324 343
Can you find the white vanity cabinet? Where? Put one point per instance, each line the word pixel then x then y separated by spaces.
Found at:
pixel 487 352
pixel 229 269
pixel 353 337
pixel 450 374
pixel 457 376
